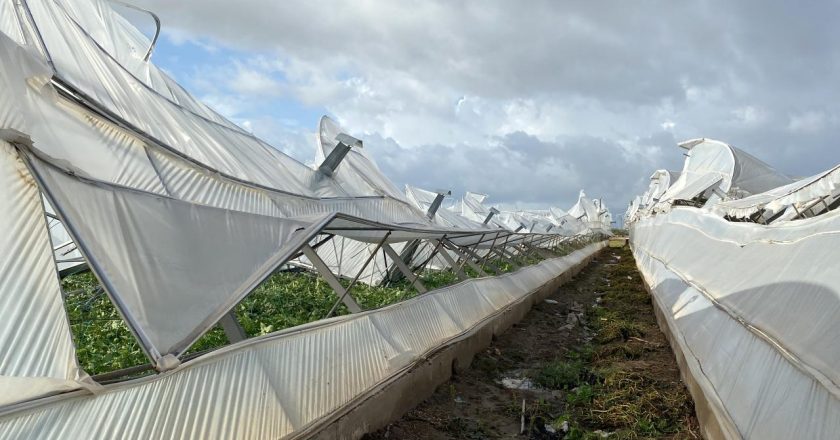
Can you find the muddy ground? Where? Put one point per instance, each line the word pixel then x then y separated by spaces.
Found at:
pixel 589 362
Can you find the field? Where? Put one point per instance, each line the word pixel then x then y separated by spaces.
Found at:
pixel 589 363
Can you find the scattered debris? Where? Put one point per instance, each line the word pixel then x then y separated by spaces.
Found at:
pixel 517 384
pixel 550 429
pixel 583 372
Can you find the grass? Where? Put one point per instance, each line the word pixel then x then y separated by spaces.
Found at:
pixel 621 382
pixel 286 299
pixel 560 374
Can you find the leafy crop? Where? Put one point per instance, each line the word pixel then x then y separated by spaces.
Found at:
pixel 286 299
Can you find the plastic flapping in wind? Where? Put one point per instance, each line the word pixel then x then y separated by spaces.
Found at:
pixel 568 224
pixel 660 181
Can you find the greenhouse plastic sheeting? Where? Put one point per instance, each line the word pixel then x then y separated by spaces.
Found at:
pixel 754 310
pixel 822 185
pixel 593 217
pixel 84 63
pixel 358 172
pixel 178 212
pixel 689 189
pixel 750 308
pixel 29 105
pixel 660 181
pixel 9 23
pixel 37 356
pixel 710 161
pixel 174 267
pixel 276 385
pixel 423 199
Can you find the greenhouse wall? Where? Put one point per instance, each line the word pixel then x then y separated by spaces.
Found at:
pixel 322 378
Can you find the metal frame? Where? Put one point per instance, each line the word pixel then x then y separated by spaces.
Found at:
pixel 359 274
pixel 452 263
pixel 413 278
pixel 233 330
pixel 330 278
pixel 228 320
pixel 464 258
pixel 153 43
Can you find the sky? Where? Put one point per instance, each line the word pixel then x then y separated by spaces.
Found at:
pixel 528 102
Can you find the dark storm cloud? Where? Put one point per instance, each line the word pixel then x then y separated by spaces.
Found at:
pixel 530 101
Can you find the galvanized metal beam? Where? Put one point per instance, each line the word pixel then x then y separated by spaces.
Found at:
pixel 393 274
pixel 409 275
pixel 358 274
pixel 233 330
pixel 507 257
pixel 458 251
pixel 330 278
pixel 455 268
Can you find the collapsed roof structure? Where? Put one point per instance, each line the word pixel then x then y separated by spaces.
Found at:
pixel 739 259
pixel 108 164
pixel 592 213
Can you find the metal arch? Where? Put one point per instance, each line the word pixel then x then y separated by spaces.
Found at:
pixel 148 55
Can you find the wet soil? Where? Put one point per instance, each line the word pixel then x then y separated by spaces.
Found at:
pixel 589 362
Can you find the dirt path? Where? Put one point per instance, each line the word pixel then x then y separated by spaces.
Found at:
pixel 588 362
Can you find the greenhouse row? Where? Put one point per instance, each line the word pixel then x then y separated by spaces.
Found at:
pixel 739 260
pixel 152 248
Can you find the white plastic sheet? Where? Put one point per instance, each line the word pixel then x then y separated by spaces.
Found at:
pixel 715 164
pixel 37 356
pixel 178 212
pixel 173 268
pixel 751 307
pixel 276 385
pixel 823 186
pixel 755 309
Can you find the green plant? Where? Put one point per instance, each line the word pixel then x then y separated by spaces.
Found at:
pixel 560 374
pixel 285 299
pixel 582 395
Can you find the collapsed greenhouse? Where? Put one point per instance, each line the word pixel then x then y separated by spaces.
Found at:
pixel 739 260
pixel 110 166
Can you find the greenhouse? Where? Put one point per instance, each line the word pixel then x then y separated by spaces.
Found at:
pixel 738 259
pixel 135 213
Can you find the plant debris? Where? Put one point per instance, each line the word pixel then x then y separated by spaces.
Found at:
pixel 611 375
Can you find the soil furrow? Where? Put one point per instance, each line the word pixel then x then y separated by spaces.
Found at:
pixel 589 362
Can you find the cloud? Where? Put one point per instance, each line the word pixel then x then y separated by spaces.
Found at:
pixel 519 169
pixel 524 102
pixel 808 122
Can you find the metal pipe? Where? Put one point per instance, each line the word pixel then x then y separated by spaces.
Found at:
pixel 331 279
pixel 359 274
pixel 148 55
pixel 395 257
